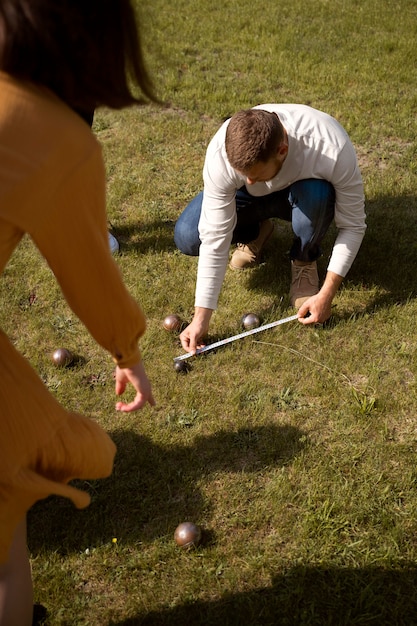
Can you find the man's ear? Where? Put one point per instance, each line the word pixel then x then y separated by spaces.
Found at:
pixel 283 150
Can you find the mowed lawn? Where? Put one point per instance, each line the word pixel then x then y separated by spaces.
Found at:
pixel 294 449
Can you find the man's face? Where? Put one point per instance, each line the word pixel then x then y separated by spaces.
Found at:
pixel 263 171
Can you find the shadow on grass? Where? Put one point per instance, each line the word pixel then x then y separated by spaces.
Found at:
pixel 303 596
pixel 153 487
pixel 386 260
pixel 155 236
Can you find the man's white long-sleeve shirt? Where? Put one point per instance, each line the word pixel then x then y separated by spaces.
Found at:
pixel 318 147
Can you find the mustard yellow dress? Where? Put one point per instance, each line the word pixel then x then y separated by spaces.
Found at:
pixel 52 186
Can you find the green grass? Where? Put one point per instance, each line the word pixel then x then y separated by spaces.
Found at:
pixel 294 449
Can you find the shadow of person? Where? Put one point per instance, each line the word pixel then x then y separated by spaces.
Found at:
pixel 388 255
pixel 305 595
pixel 154 487
pixel 156 236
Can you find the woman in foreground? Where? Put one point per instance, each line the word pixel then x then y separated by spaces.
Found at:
pixel 58 57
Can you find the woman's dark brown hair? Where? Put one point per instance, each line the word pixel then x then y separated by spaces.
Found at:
pixel 86 51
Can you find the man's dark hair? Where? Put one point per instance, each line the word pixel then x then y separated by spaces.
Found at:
pixel 88 52
pixel 252 136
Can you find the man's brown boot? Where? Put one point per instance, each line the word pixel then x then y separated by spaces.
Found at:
pixel 304 282
pixel 248 254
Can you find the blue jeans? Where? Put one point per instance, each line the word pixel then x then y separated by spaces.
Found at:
pixel 307 204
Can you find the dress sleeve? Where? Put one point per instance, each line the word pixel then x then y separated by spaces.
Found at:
pixel 73 239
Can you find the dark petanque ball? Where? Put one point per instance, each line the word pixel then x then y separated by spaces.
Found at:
pixel 172 323
pixel 62 357
pixel 181 367
pixel 187 535
pixel 250 320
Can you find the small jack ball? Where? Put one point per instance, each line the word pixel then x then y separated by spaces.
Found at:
pixel 172 323
pixel 181 367
pixel 250 320
pixel 62 357
pixel 187 535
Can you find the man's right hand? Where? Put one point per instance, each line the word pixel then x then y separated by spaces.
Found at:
pixel 192 338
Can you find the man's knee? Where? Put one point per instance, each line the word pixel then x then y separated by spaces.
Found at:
pixel 186 236
pixel 186 239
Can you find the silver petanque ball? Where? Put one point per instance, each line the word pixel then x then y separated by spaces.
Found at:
pixel 250 321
